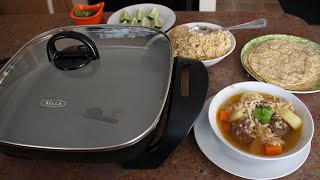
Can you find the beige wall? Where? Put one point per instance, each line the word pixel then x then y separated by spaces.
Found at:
pixel 207 5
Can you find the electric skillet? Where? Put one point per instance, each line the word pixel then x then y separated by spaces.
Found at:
pixel 98 93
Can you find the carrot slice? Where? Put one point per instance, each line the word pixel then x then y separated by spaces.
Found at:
pixel 226 126
pixel 224 116
pixel 272 150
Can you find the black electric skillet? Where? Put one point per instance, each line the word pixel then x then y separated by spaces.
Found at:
pixel 97 93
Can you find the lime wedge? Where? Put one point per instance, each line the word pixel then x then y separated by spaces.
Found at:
pixel 139 14
pixel 124 22
pixel 134 22
pixel 156 23
pixel 154 13
pixel 145 22
pixel 125 15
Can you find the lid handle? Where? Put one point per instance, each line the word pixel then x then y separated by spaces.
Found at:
pixel 72 58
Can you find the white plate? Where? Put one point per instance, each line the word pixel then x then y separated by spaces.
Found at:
pixel 236 163
pixel 167 16
pixel 259 40
pixel 211 62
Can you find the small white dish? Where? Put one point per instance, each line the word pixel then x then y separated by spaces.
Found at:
pixel 211 62
pixel 236 163
pixel 167 16
pixel 261 87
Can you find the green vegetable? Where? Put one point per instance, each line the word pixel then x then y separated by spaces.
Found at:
pixel 139 14
pixel 124 22
pixel 156 23
pixel 83 13
pixel 134 22
pixel 145 22
pixel 125 15
pixel 263 114
pixel 154 13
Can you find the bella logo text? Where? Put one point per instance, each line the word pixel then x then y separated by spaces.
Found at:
pixel 53 103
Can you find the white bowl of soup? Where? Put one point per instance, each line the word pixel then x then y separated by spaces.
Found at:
pixel 261 120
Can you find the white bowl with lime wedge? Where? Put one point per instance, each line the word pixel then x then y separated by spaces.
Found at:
pixel 150 15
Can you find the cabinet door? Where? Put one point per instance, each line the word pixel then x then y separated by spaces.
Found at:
pixel 176 5
pixel 33 6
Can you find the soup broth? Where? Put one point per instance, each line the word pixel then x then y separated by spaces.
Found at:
pixel 253 144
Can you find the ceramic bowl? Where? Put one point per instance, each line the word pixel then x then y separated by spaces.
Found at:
pixel 167 16
pixel 95 19
pixel 211 62
pixel 301 110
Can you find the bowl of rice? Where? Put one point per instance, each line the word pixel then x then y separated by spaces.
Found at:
pixel 209 48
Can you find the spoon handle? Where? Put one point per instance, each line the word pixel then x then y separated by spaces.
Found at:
pixel 259 23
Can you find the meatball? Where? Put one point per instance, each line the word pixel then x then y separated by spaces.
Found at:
pixel 241 129
pixel 278 126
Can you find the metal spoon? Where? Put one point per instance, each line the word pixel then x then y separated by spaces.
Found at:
pixel 259 23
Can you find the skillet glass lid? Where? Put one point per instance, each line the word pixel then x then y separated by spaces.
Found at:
pixel 105 103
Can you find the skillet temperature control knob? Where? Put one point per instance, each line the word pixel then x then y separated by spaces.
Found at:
pixel 73 57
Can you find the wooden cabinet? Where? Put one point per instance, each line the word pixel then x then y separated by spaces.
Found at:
pixel 34 6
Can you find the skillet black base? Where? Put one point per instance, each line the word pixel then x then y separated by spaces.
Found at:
pixel 114 156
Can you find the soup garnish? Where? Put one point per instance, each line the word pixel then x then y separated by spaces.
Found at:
pixel 259 123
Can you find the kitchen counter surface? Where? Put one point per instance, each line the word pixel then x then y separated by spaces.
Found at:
pixel 187 161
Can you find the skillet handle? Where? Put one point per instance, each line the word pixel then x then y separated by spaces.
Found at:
pixel 183 111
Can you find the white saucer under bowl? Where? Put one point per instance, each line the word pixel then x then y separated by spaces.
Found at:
pixel 236 163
